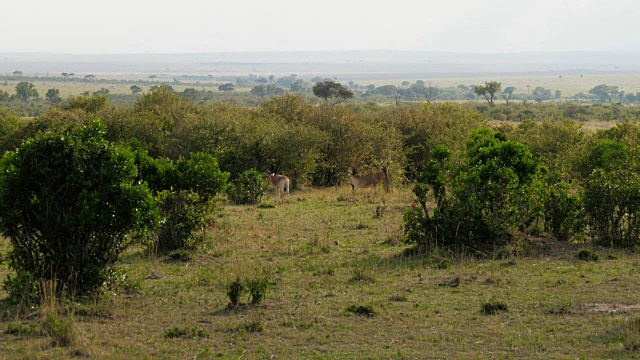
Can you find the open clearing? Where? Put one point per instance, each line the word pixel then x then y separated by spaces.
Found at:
pixel 329 257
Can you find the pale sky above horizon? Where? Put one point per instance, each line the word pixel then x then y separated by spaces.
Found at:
pixel 191 26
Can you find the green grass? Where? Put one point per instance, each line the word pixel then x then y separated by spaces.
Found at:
pixel 328 262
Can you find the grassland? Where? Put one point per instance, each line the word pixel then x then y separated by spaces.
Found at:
pixel 344 286
pixel 568 84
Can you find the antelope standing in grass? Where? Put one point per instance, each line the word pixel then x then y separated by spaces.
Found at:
pixel 280 183
pixel 370 179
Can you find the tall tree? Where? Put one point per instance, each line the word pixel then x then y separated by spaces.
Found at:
pixel 540 94
pixel 53 96
pixel 488 90
pixel 431 92
pixel 604 92
pixel 226 87
pixel 331 90
pixel 397 94
pixel 259 90
pixel 507 93
pixel 26 90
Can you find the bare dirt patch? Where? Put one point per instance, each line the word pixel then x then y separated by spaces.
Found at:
pixel 611 308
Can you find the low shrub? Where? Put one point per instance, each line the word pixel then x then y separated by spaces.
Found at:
pixel 234 291
pixel 184 217
pixel 258 289
pixel 22 289
pixel 248 188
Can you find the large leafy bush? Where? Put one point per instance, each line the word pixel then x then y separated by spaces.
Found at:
pixel 612 194
pixel 67 203
pixel 186 191
pixel 496 191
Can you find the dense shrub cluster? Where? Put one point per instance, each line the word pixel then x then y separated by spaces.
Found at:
pixel 481 201
pixel 501 189
pixel 75 184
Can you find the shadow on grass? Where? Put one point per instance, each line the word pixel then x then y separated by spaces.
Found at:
pixel 234 310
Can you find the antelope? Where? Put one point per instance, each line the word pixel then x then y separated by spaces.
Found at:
pixel 280 183
pixel 370 179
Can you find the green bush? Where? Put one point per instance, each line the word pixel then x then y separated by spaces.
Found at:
pixel 67 203
pixel 564 212
pixel 258 289
pixel 234 291
pixel 60 328
pixel 22 289
pixel 612 195
pixel 183 220
pixel 186 192
pixel 248 188
pixel 496 191
pixel 10 130
pixel 425 127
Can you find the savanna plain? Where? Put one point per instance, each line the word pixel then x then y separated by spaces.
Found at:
pixel 341 284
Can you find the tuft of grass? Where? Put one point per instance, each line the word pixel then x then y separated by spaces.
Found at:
pixel 361 310
pixel 398 298
pixel 588 255
pixel 362 226
pixel 363 273
pixel 493 307
pixel 185 332
pixel 16 328
pixel 442 263
pixel 251 327
pixel 631 335
pixel 380 210
pixel 180 255
pixel 454 282
pixel 61 328
pixel 234 291
pixel 258 289
pixel 561 308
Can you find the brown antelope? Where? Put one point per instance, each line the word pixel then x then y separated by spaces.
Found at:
pixel 370 179
pixel 280 183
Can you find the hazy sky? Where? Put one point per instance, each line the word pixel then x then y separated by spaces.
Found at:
pixel 190 26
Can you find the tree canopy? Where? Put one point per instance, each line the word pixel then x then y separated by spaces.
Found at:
pixel 331 90
pixel 26 90
pixel 488 90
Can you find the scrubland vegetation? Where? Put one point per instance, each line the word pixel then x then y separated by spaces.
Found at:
pixel 145 230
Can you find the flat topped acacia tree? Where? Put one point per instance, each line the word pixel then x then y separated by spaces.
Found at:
pixel 331 90
pixel 67 203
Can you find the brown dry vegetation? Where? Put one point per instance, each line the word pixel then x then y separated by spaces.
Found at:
pixel 326 252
